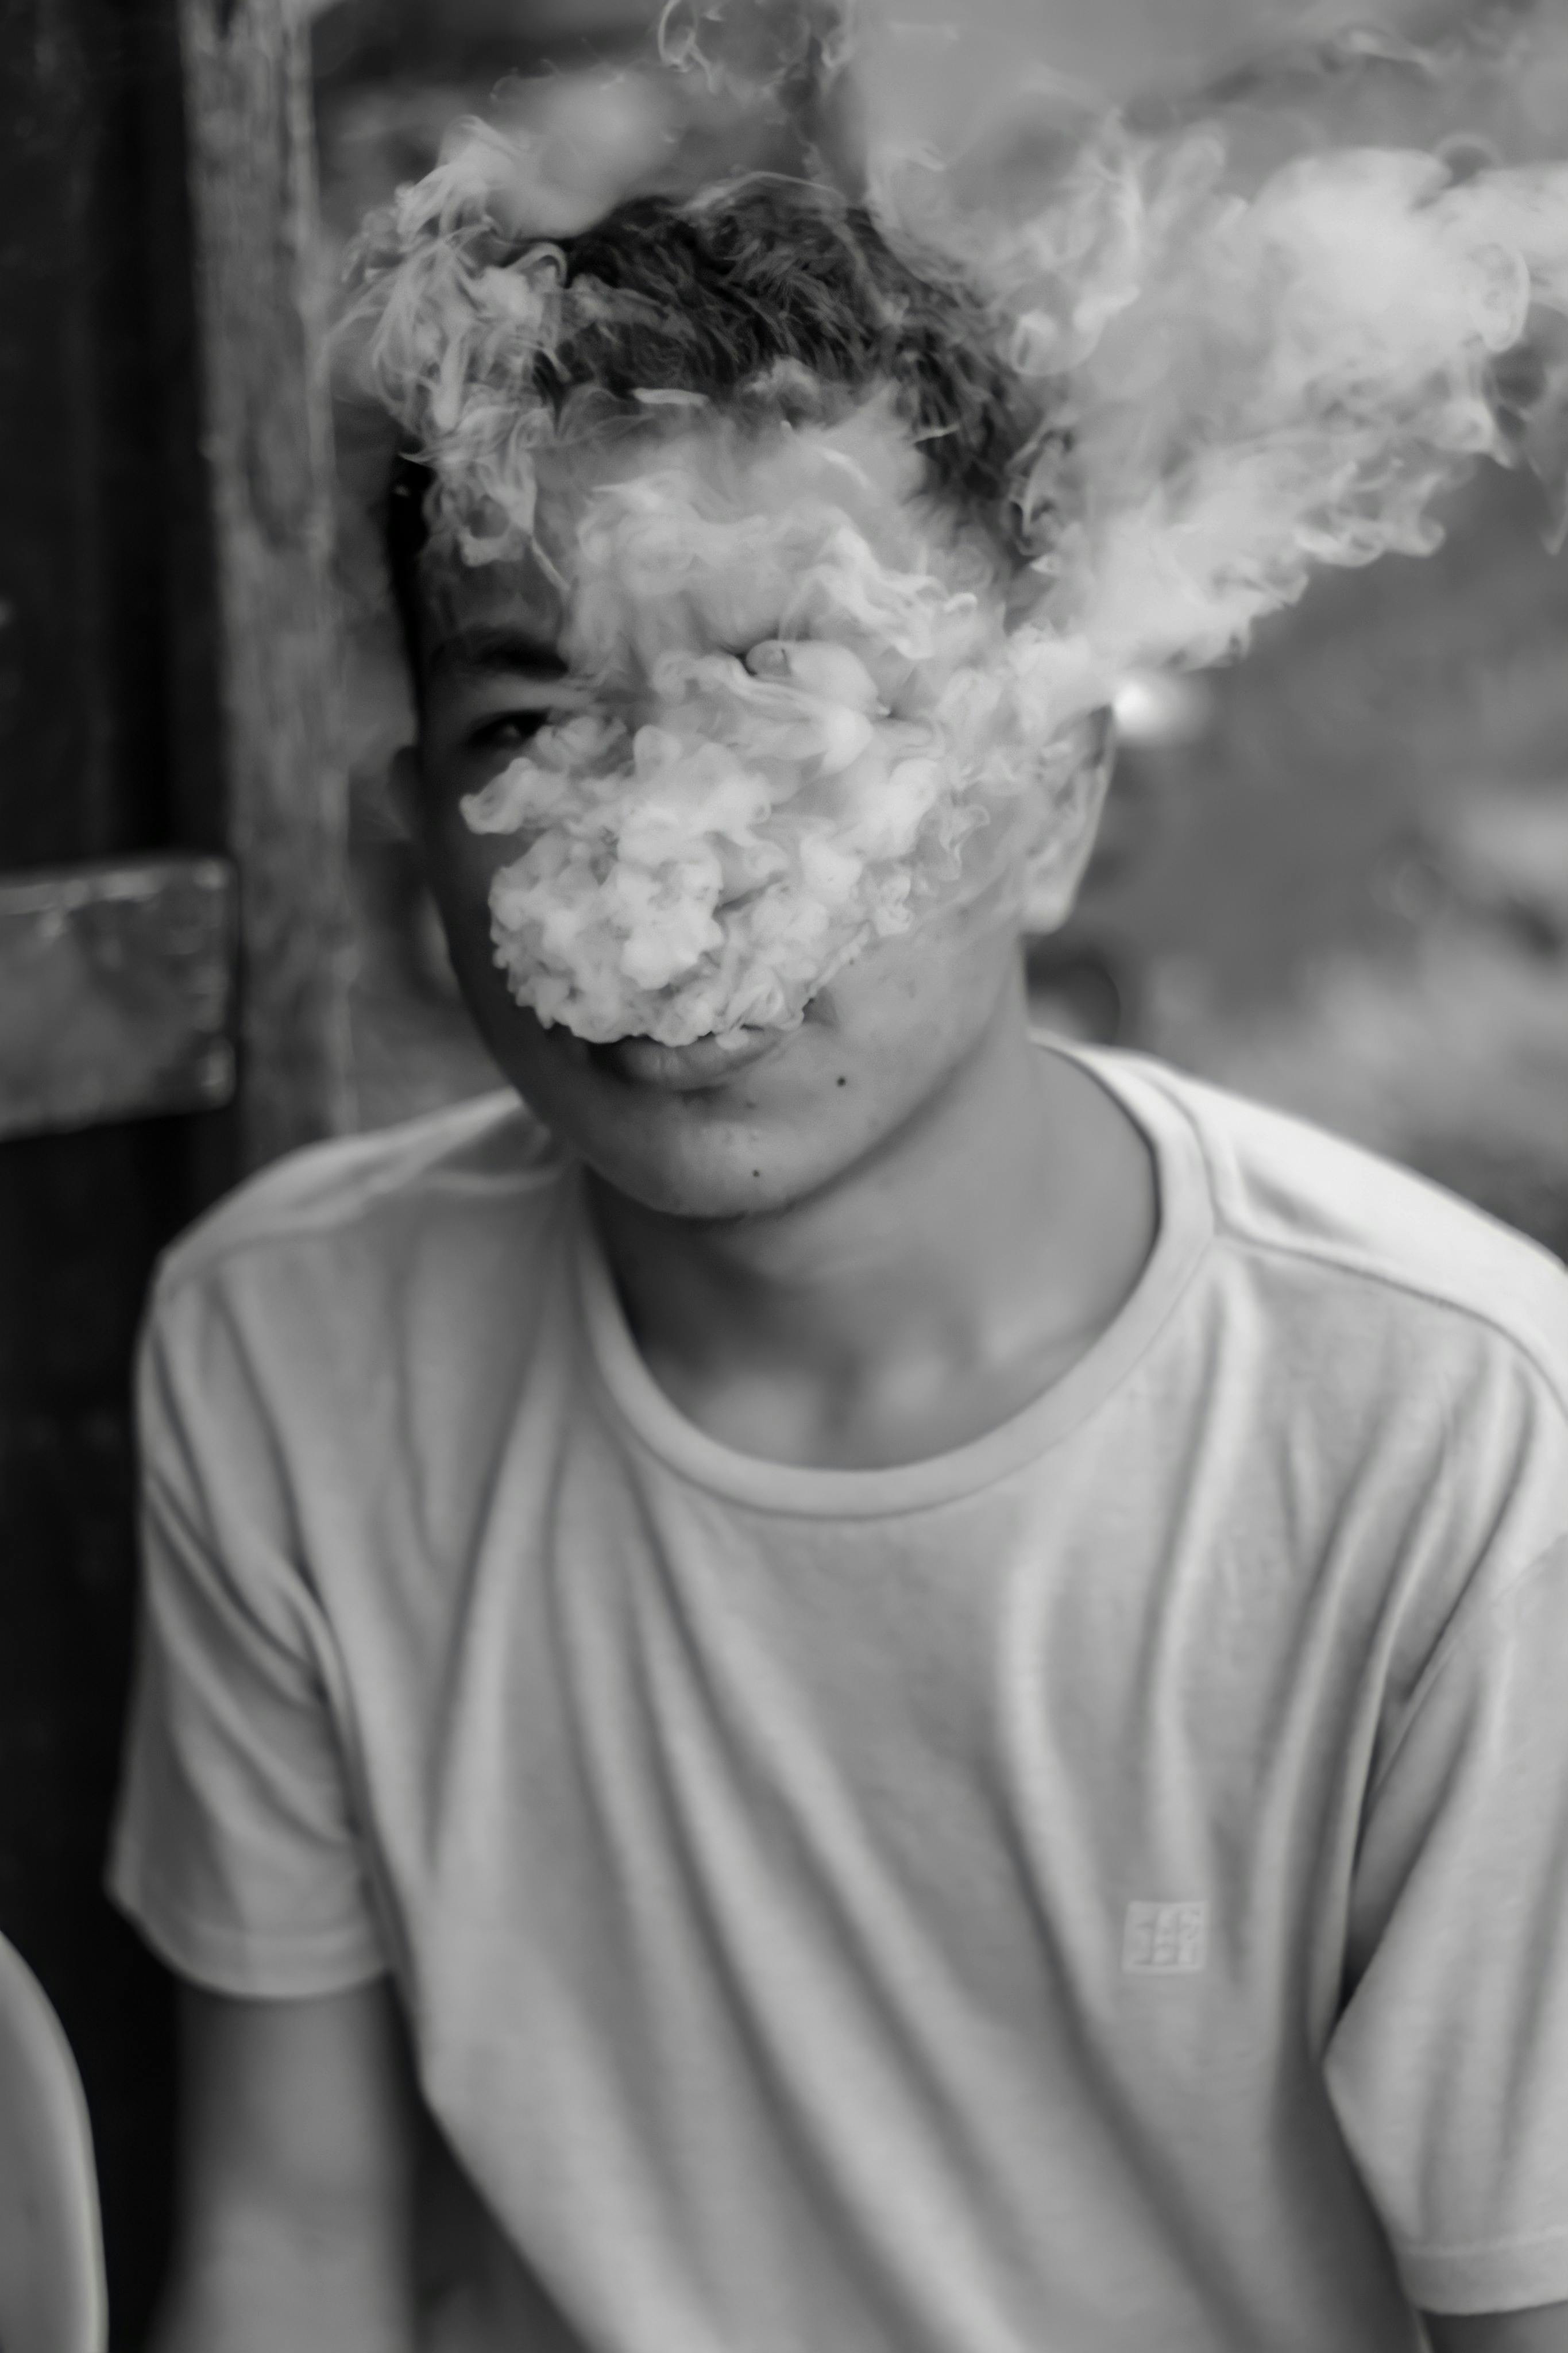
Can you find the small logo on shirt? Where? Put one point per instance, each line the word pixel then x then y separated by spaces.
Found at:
pixel 1165 1940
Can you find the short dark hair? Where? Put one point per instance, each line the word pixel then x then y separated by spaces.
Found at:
pixel 751 292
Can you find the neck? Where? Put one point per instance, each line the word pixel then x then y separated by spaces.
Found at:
pixel 935 1285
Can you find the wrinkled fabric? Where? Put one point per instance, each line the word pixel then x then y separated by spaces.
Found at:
pixel 1102 1886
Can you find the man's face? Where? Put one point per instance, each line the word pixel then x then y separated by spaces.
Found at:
pixel 753 1118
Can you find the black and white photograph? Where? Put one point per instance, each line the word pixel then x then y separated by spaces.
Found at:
pixel 784 1176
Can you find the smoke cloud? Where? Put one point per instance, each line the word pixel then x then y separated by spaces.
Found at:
pixel 1258 373
pixel 718 833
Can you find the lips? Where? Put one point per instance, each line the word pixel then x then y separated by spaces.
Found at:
pixel 686 1070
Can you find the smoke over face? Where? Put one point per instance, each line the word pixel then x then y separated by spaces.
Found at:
pixel 805 704
pixel 790 720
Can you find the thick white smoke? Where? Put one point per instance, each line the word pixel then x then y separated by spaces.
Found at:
pixel 1253 382
pixel 1260 385
pixel 719 831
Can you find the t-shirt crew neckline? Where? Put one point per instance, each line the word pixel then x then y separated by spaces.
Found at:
pixel 1184 1230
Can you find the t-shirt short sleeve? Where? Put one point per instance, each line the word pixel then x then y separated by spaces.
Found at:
pixel 235 1848
pixel 1448 2068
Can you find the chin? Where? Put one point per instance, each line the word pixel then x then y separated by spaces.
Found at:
pixel 685 1158
pixel 756 1122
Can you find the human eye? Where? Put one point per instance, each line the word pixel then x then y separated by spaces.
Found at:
pixel 506 731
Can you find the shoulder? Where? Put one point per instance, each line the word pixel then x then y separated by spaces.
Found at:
pixel 470 1156
pixel 336 1251
pixel 1339 1230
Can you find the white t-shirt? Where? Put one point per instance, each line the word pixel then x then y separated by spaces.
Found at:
pixel 1104 1888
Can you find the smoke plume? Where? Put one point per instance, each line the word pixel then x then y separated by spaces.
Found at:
pixel 1250 371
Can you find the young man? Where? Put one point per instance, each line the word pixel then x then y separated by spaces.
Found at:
pixel 909 1680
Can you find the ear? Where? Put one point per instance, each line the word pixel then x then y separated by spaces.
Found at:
pixel 402 788
pixel 1070 823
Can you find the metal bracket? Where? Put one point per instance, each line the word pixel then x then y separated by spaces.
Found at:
pixel 116 992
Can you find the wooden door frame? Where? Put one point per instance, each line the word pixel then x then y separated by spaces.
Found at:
pixel 264 436
pixel 170 752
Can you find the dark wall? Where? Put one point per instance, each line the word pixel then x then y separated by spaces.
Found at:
pixel 105 738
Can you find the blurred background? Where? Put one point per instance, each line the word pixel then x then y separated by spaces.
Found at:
pixel 1334 876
